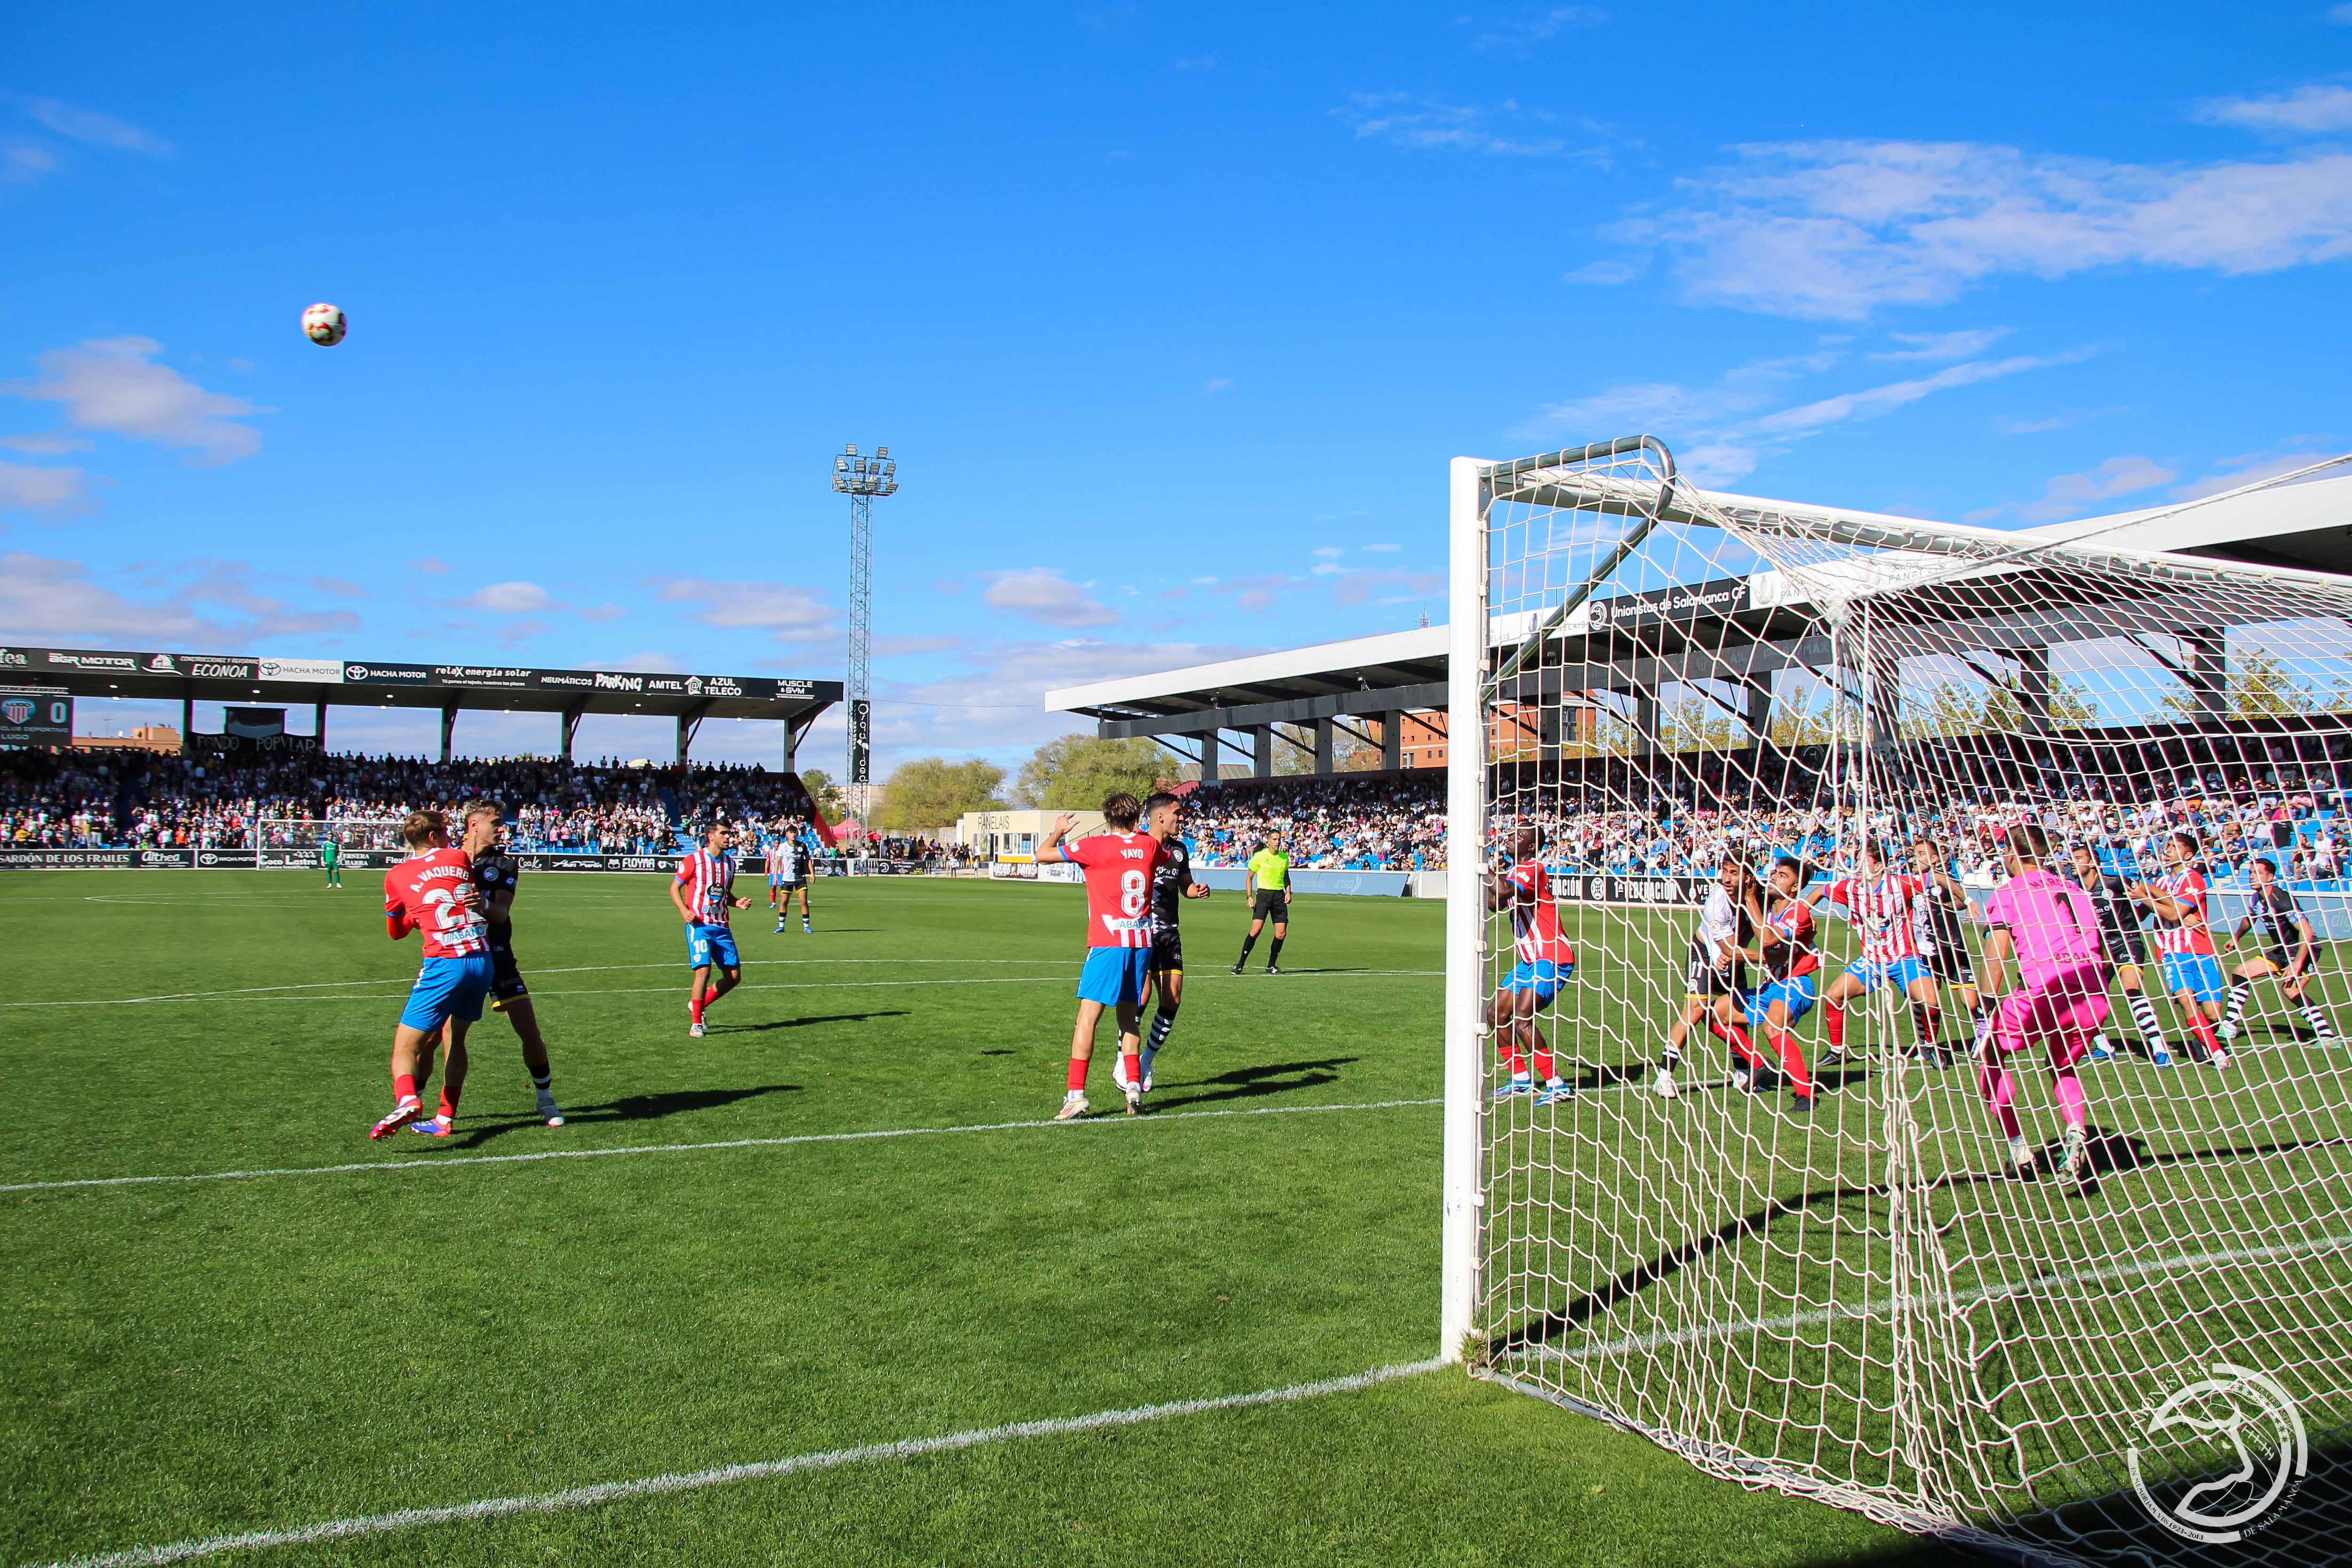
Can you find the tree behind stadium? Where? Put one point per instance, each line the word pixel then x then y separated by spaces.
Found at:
pixel 1074 773
pixel 932 793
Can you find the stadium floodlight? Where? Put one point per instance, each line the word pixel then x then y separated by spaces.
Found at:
pixel 861 481
pixel 2020 1271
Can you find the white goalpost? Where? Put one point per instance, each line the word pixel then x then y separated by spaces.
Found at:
pixel 1855 1080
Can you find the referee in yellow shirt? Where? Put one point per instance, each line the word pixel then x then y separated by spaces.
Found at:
pixel 1268 886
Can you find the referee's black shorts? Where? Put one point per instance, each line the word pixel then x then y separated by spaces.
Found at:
pixel 1272 904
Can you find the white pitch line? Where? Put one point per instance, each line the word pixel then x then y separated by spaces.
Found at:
pixel 728 1475
pixel 271 993
pixel 1635 1345
pixel 691 1148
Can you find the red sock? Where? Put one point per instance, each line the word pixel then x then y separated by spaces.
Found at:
pixel 1543 1069
pixel 2202 1027
pixel 1793 1063
pixel 449 1103
pixel 701 1001
pixel 1135 1068
pixel 1737 1037
pixel 404 1086
pixel 1078 1074
pixel 1513 1058
pixel 1835 1016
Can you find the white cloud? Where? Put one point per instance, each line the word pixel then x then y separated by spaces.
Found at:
pixel 1405 121
pixel 1327 569
pixel 45 443
pixel 342 587
pixel 996 702
pixel 599 612
pixel 2251 468
pixel 785 610
pixel 432 563
pixel 1358 586
pixel 1329 552
pixel 25 163
pixel 1603 274
pixel 93 128
pixel 1042 594
pixel 1723 446
pixel 896 648
pixel 510 598
pixel 2340 13
pixel 652 662
pixel 43 492
pixel 2069 495
pixel 1943 345
pixel 2307 110
pixel 1519 34
pixel 42 597
pixel 1217 385
pixel 1254 593
pixel 110 384
pixel 1384 549
pixel 1836 229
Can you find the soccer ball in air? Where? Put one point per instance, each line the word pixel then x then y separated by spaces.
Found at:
pixel 324 325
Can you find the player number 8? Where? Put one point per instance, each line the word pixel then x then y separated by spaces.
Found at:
pixel 1131 892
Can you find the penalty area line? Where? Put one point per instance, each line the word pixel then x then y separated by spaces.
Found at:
pixel 456 1160
pixel 728 1475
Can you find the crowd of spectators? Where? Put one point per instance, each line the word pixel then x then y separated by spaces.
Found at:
pixel 84 799
pixel 1328 822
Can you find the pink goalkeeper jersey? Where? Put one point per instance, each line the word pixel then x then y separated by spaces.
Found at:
pixel 2054 925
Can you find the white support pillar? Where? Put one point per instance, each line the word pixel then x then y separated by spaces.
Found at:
pixel 1209 749
pixel 1460 1234
pixel 1391 741
pixel 1326 745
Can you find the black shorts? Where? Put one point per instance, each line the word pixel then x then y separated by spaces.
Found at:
pixel 1271 903
pixel 1951 965
pixel 1704 979
pixel 1167 953
pixel 506 978
pixel 2124 948
pixel 2281 960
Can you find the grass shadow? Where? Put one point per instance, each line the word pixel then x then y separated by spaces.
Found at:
pixel 629 1108
pixel 802 1023
pixel 1253 1082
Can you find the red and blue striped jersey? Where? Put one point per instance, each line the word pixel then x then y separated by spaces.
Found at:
pixel 709 881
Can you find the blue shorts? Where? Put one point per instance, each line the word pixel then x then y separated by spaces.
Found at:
pixel 1114 975
pixel 1542 977
pixel 1897 972
pixel 1797 993
pixel 447 989
pixel 708 946
pixel 2199 974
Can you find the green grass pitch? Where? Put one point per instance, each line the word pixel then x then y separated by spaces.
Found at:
pixel 187 1359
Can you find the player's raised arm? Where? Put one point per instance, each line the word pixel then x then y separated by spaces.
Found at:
pixel 1050 852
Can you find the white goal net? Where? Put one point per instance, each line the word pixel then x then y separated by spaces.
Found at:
pixel 1896 1026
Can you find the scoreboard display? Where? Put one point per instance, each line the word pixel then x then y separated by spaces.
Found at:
pixel 36 715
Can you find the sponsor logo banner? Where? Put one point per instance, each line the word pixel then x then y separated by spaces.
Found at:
pixel 69 860
pixel 388 674
pixel 326 672
pixel 1571 888
pixel 225 859
pixel 1684 601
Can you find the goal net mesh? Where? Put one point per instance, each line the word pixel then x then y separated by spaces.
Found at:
pixel 1875 1294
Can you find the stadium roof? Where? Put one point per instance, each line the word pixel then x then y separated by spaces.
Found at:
pixel 2306 527
pixel 247 678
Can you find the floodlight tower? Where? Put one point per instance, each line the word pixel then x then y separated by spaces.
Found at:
pixel 861 479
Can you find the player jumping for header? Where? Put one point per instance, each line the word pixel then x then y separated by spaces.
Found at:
pixel 1787 954
pixel 1545 964
pixel 1171 882
pixel 433 892
pixel 1883 901
pixel 1716 978
pixel 703 893
pixel 2192 973
pixel 2126 946
pixel 2053 927
pixel 2291 953
pixel 1267 884
pixel 496 877
pixel 1118 867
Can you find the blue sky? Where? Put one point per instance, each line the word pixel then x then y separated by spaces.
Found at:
pixel 1173 315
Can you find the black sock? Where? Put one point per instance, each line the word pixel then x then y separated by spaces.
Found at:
pixel 1274 954
pixel 1247 942
pixel 543 1081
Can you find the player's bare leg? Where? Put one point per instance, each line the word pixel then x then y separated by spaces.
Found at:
pixel 411 1047
pixel 1130 1050
pixel 1082 1050
pixel 453 1083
